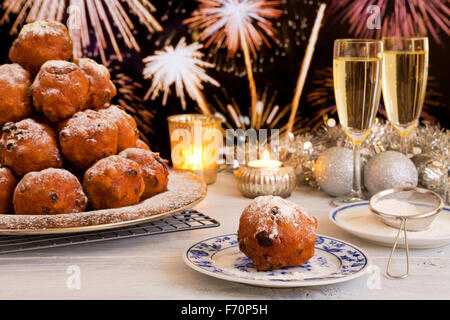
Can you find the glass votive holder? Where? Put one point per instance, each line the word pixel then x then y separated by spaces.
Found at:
pixel 196 140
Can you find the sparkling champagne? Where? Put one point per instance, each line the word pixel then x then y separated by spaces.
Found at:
pixel 357 88
pixel 404 85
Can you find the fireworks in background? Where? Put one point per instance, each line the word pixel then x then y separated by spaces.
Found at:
pixel 292 31
pixel 291 34
pixel 129 98
pixel 86 16
pixel 306 62
pixel 180 66
pixel 292 27
pixel 398 17
pixel 227 108
pixel 268 114
pixel 237 24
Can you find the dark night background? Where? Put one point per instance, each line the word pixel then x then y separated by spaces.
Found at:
pixel 275 70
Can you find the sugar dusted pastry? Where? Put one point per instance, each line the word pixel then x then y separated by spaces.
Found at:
pixel 276 233
pixel 141 145
pixel 50 191
pixel 113 182
pixel 60 89
pixel 39 42
pixel 128 132
pixel 101 89
pixel 28 145
pixel 7 185
pixel 154 170
pixel 87 137
pixel 15 98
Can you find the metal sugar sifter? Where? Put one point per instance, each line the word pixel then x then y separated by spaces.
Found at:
pixel 407 209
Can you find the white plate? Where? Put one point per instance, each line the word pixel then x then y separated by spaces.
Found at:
pixel 333 261
pixel 358 220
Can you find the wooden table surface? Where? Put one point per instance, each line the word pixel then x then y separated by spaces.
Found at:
pixel 151 267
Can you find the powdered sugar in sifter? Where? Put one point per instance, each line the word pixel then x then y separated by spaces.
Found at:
pixel 408 209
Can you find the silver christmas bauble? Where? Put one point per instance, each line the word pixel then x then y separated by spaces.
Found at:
pixel 389 169
pixel 432 173
pixel 333 171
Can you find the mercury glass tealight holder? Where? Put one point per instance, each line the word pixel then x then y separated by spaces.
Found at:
pixel 265 177
pixel 195 141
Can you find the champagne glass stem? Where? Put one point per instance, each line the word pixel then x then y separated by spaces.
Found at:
pixel 356 188
pixel 404 145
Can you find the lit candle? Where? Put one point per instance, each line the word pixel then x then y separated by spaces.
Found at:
pixel 266 162
pixel 196 141
pixel 194 160
pixel 265 177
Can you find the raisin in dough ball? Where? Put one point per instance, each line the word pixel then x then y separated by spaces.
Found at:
pixel 128 132
pixel 276 233
pixel 87 137
pixel 39 42
pixel 141 145
pixel 101 89
pixel 50 191
pixel 59 90
pixel 154 170
pixel 15 99
pixel 113 182
pixel 27 146
pixel 7 185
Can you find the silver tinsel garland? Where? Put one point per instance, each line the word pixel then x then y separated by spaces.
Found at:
pixel 428 149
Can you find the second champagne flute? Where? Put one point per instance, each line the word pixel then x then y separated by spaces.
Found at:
pixel 405 71
pixel 357 88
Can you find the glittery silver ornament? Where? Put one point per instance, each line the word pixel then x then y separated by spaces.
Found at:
pixel 429 141
pixel 300 152
pixel 433 176
pixel 432 172
pixel 389 169
pixel 447 191
pixel 333 171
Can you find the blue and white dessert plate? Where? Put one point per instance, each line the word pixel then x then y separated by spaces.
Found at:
pixel 333 261
pixel 357 219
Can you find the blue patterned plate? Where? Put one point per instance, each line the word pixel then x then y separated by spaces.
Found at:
pixel 333 261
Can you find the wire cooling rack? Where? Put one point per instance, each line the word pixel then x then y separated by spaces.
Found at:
pixel 186 220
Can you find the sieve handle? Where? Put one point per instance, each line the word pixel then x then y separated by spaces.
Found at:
pixel 402 226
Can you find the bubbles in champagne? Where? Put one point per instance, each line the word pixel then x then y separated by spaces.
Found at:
pixel 404 86
pixel 357 90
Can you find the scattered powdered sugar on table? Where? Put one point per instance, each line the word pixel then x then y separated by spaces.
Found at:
pixel 397 207
pixel 182 190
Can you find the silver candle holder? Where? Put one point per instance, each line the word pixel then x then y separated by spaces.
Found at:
pixel 265 177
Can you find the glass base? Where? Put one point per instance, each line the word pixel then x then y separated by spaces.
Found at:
pixel 208 175
pixel 345 200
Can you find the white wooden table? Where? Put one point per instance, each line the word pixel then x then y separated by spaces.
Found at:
pixel 151 267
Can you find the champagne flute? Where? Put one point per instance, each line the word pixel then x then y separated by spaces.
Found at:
pixel 357 88
pixel 405 71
